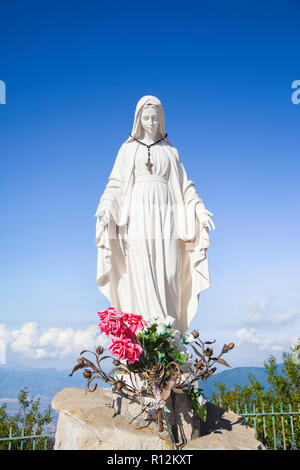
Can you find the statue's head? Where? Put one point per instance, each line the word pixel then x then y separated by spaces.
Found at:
pixel 149 117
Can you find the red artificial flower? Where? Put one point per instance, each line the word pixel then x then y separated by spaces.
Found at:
pixel 126 349
pixel 105 313
pixel 135 322
pixel 111 322
pixel 121 324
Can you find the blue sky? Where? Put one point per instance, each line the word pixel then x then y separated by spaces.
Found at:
pixel 74 72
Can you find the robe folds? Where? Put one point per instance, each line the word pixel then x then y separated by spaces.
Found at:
pixel 152 285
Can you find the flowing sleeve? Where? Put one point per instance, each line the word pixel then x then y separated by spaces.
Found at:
pixel 187 186
pixel 111 197
pixel 110 262
pixel 194 227
pixel 114 188
pixel 194 241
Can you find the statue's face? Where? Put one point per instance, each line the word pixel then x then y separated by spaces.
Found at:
pixel 150 120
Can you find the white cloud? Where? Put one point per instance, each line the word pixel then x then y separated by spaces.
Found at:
pixel 261 311
pixel 287 316
pixel 266 328
pixel 23 339
pixel 246 335
pixel 33 342
pixel 250 336
pixel 257 310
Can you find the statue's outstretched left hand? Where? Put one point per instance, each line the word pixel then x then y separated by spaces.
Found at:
pixel 204 217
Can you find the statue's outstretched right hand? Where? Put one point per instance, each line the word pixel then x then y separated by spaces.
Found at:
pixel 105 217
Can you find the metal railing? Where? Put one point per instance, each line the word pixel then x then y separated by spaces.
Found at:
pixel 277 430
pixel 28 442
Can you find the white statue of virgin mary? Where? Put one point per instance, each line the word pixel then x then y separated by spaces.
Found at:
pixel 152 228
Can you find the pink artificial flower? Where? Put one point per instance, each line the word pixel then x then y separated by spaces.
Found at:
pixel 126 349
pixel 105 313
pixel 126 333
pixel 111 322
pixel 118 347
pixel 135 322
pixel 120 324
pixel 133 352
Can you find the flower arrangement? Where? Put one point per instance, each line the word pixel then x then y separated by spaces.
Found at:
pixel 122 327
pixel 151 361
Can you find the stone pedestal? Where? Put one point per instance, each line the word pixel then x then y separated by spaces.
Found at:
pixel 183 421
pixel 94 421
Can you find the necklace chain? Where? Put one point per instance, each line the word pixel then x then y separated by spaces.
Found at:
pixel 150 145
pixel 149 164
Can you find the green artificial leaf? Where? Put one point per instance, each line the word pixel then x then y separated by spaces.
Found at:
pixel 184 339
pixel 160 356
pixel 153 336
pixel 200 410
pixel 182 359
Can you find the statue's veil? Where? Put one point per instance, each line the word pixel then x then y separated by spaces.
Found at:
pixel 147 100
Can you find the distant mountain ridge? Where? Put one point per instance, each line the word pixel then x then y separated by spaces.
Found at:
pixel 45 383
pixel 236 376
pixel 42 383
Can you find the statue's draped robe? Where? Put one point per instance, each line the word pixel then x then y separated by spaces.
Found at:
pixel 152 256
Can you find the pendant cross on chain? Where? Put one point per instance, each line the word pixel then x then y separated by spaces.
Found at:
pixel 149 165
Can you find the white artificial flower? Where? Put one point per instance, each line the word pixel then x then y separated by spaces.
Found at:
pixel 201 400
pixel 178 345
pixel 169 320
pixel 153 320
pixel 187 378
pixel 296 354
pixel 296 344
pixel 161 328
pixel 191 338
pixel 176 334
pixel 296 357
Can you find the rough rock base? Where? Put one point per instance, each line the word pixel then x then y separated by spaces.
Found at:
pixel 183 421
pixel 88 421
